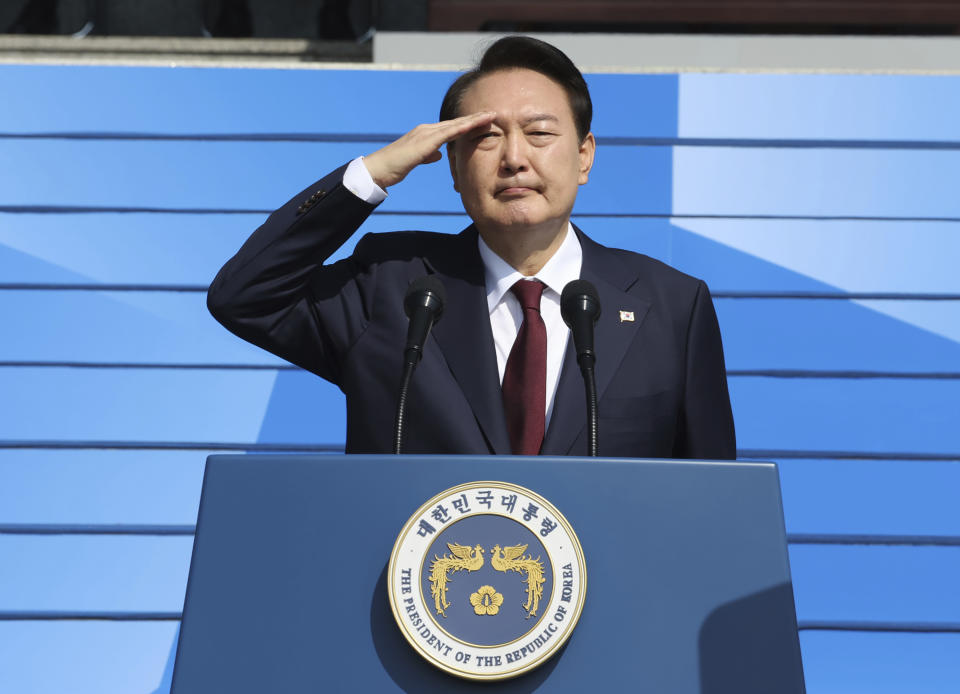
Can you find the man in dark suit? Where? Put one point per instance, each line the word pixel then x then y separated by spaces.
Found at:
pixel 499 372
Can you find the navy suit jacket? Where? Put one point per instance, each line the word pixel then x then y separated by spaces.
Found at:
pixel 660 375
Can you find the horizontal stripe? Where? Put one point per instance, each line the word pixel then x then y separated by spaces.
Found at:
pixel 770 454
pixel 892 540
pixel 183 530
pixel 635 141
pixel 144 365
pixel 817 106
pixel 904 501
pixel 677 180
pixel 196 288
pixel 178 288
pixel 836 296
pixel 806 373
pixel 737 257
pixel 838 418
pixel 88 656
pixel 777 338
pixel 243 100
pixel 827 183
pixel 127 209
pixel 902 627
pixel 884 416
pixel 91 574
pixel 48 444
pixel 126 485
pixel 52 529
pixel 742 453
pixel 883 627
pixel 85 616
pixel 231 100
pixel 768 373
pixel 844 662
pixel 876 583
pixel 97 488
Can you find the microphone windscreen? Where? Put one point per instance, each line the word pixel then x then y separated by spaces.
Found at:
pixel 426 291
pixel 579 295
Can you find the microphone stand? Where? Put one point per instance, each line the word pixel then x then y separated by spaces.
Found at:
pixel 587 361
pixel 423 305
pixel 410 363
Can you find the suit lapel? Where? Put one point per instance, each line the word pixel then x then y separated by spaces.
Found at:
pixel 465 338
pixel 612 338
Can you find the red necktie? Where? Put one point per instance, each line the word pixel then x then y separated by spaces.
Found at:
pixel 525 378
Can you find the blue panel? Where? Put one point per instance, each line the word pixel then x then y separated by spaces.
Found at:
pixel 211 100
pixel 815 182
pixel 810 255
pixel 863 497
pixel 731 254
pixel 864 663
pixel 157 405
pixel 176 328
pixel 119 248
pixel 872 415
pixel 87 657
pixel 163 488
pixel 94 573
pixel 100 486
pixel 883 583
pixel 820 107
pixel 625 180
pixel 148 248
pixel 868 415
pixel 634 105
pixel 264 175
pixel 119 327
pixel 838 335
pixel 242 101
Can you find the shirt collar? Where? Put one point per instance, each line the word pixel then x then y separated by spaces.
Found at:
pixel 562 267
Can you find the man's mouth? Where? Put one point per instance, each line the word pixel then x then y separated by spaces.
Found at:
pixel 514 191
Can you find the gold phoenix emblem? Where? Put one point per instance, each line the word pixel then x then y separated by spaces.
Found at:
pixel 486 601
pixel 513 560
pixel 464 559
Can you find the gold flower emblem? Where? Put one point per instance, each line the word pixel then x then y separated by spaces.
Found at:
pixel 486 600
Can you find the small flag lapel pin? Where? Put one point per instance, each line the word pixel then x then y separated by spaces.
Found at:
pixel 626 316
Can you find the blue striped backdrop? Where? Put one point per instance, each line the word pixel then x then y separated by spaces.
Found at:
pixel 822 210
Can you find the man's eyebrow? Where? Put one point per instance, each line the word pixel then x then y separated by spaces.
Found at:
pixel 538 117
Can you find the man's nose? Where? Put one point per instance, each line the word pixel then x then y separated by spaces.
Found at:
pixel 513 157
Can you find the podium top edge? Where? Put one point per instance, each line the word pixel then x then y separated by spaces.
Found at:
pixel 496 459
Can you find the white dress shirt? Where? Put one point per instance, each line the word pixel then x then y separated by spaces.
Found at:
pixel 506 315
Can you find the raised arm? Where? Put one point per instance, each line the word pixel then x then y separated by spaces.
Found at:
pixel 277 293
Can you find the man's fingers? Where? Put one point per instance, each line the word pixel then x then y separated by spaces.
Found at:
pixel 432 157
pixel 454 128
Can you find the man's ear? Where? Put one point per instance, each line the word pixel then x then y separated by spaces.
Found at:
pixel 452 160
pixel 588 148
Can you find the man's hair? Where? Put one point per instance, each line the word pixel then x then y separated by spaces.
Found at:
pixel 513 52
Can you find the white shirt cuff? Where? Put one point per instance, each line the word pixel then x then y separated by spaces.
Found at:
pixel 358 181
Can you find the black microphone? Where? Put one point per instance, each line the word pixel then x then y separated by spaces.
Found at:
pixel 580 308
pixel 423 305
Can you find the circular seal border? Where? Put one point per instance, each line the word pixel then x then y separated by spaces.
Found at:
pixel 415 614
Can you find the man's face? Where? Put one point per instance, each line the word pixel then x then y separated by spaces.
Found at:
pixel 523 170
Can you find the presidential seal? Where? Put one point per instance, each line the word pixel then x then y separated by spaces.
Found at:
pixel 487 580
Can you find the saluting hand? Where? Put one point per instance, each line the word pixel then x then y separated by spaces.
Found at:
pixel 391 164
